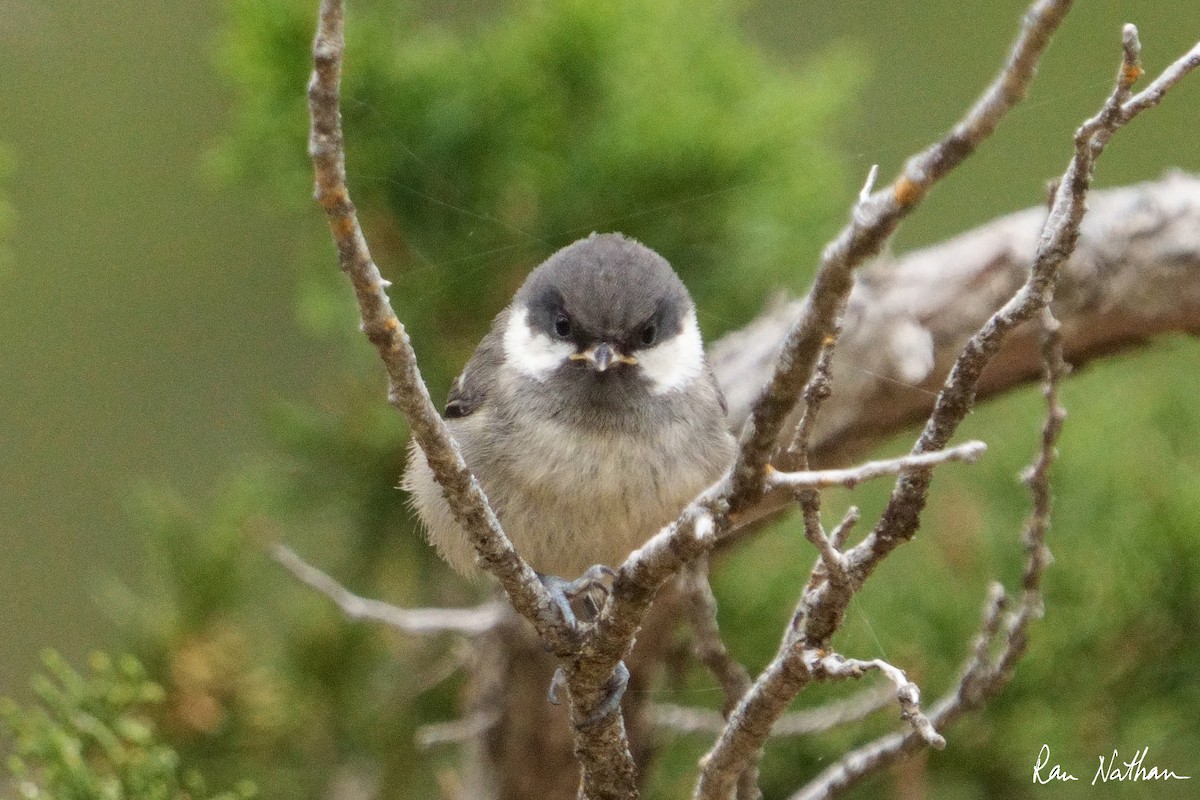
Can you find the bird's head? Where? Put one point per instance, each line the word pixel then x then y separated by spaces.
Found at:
pixel 602 318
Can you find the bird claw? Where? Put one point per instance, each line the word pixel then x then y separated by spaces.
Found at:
pixel 563 592
pixel 559 679
pixel 614 692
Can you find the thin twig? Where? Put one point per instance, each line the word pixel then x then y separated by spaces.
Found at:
pixel 454 732
pixel 864 194
pixel 842 531
pixel 686 720
pixel 823 478
pixel 1153 94
pixel 816 392
pixel 469 621
pixel 710 651
pixel 830 565
pixel 908 694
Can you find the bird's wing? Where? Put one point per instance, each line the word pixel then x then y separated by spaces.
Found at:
pixel 470 388
pixel 712 377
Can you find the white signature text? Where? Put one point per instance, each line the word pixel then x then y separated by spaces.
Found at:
pixel 1112 769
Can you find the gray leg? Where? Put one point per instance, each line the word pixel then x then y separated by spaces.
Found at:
pixel 563 592
pixel 615 691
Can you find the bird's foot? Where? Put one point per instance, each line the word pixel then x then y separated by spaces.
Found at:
pixel 584 589
pixel 588 591
pixel 559 679
pixel 614 691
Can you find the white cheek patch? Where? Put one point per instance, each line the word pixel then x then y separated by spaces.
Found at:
pixel 534 354
pixel 675 362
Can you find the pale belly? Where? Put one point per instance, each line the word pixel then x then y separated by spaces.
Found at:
pixel 568 502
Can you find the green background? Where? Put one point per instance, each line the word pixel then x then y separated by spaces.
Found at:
pixel 149 307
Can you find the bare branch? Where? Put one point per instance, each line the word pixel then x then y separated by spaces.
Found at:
pixel 831 564
pixel 818 390
pixel 851 477
pixel 710 651
pixel 1153 94
pixel 685 720
pixel 469 621
pixel 1061 231
pixel 842 531
pixel 872 222
pixel 974 686
pixel 823 608
pixel 908 694
pixel 454 732
pixel 407 390
pixel 986 674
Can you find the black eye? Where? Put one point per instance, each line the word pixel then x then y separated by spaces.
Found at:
pixel 562 326
pixel 650 334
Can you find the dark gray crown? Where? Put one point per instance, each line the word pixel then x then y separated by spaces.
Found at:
pixel 610 287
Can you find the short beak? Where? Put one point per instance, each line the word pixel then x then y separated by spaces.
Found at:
pixel 602 356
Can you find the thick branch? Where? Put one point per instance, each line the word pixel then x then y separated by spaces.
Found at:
pixel 1134 275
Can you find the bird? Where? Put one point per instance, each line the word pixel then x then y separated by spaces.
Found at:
pixel 589 414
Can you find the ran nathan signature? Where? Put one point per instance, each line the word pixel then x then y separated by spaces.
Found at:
pixel 1113 769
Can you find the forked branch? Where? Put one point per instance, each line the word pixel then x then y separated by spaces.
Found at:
pixel 823 606
pixel 873 220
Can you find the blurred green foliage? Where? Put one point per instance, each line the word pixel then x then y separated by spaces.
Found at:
pixel 493 146
pixel 6 209
pixel 93 737
pixel 479 146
